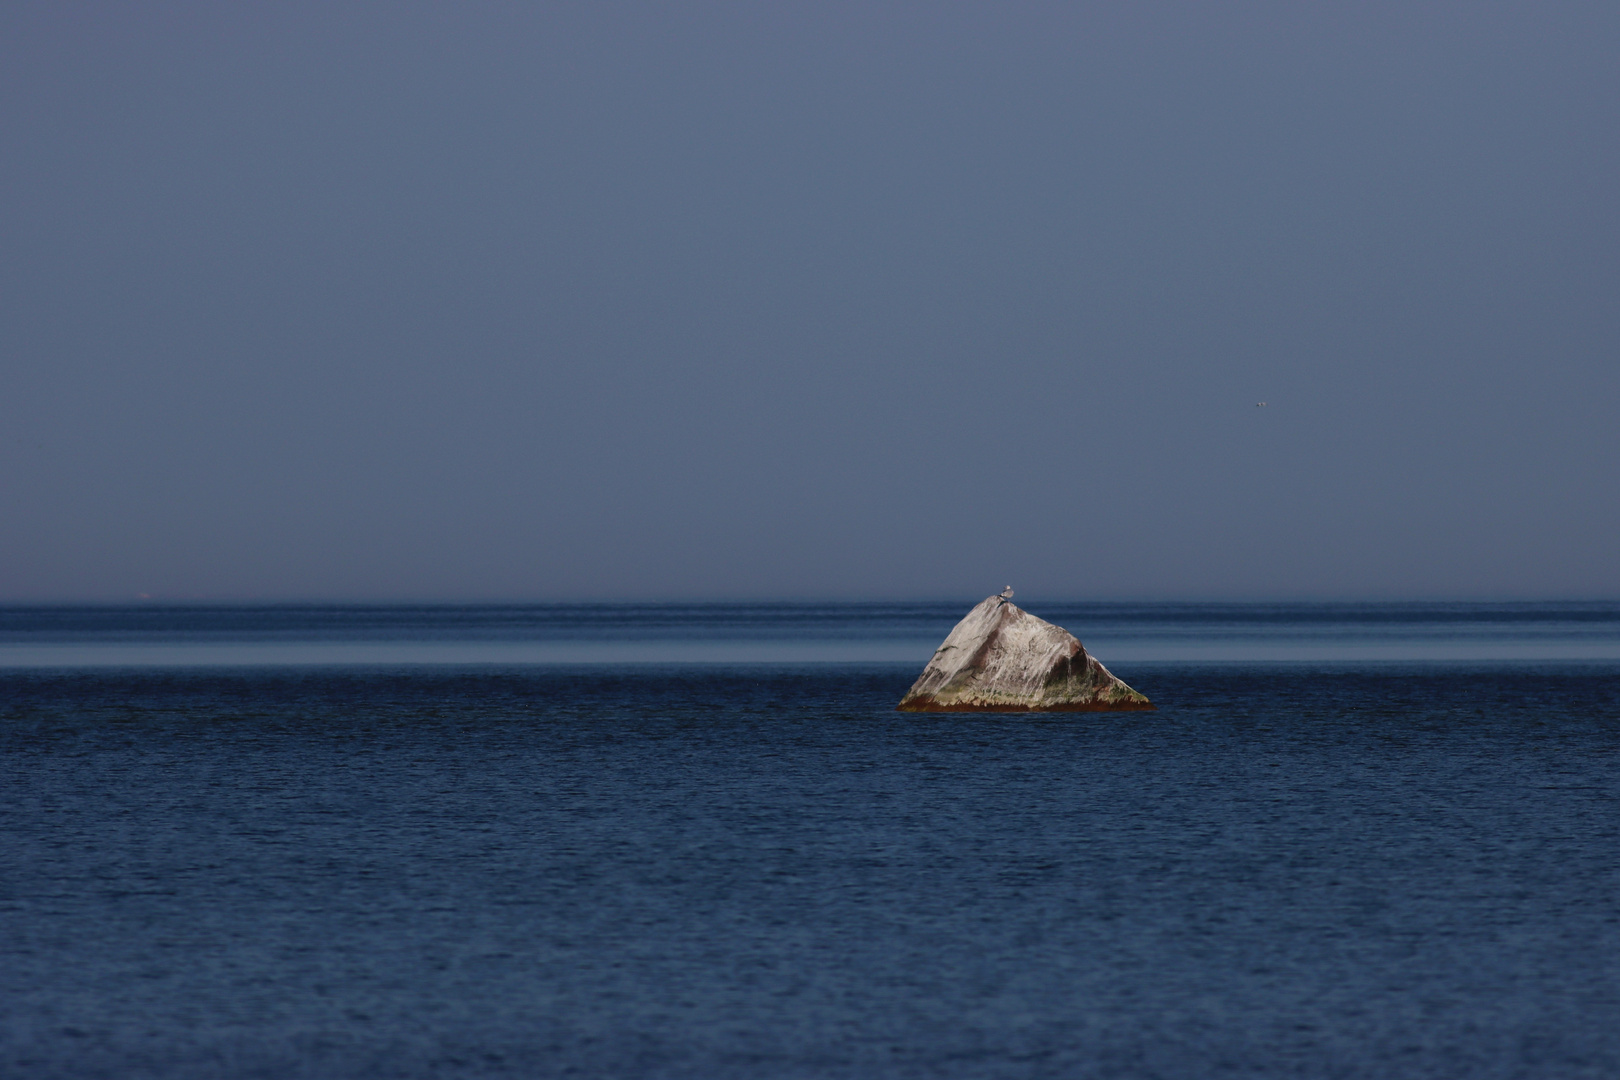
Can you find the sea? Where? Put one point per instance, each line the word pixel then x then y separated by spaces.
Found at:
pixel 698 841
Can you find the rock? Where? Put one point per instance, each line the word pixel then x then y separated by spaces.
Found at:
pixel 1000 658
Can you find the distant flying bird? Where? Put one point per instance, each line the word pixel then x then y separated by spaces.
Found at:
pixel 1006 594
pixel 1259 404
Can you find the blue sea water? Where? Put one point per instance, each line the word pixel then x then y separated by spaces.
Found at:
pixel 662 841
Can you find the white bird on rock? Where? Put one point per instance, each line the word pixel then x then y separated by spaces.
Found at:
pixel 1006 594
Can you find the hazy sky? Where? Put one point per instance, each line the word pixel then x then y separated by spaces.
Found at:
pixel 534 301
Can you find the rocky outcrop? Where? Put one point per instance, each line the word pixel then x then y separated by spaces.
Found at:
pixel 1000 658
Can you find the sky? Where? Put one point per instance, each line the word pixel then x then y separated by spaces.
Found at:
pixel 500 301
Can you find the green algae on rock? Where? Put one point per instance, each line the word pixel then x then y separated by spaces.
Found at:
pixel 1000 658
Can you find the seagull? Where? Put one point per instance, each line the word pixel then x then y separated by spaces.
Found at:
pixel 1006 594
pixel 1259 404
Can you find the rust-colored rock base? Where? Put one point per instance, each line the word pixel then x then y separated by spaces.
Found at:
pixel 918 705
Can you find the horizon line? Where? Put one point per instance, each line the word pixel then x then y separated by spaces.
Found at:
pixel 156 601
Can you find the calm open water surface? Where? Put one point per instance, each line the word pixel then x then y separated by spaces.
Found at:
pixel 1331 863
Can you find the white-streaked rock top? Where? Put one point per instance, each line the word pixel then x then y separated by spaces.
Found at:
pixel 1000 658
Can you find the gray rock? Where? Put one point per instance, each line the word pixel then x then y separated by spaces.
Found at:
pixel 1000 658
